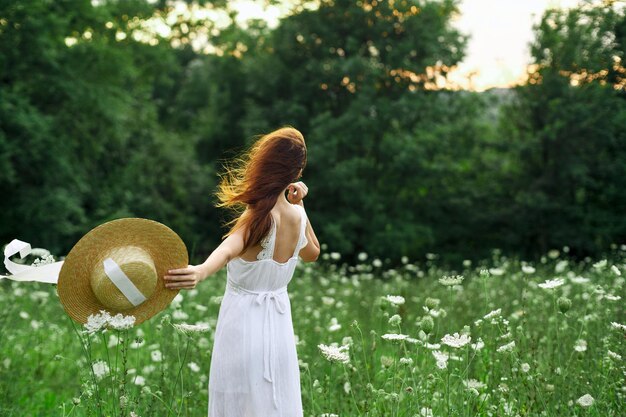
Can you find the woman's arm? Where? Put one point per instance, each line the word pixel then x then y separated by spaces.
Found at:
pixel 189 277
pixel 312 250
pixel 227 250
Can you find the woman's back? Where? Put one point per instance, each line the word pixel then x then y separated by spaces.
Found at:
pixel 286 222
pixel 271 270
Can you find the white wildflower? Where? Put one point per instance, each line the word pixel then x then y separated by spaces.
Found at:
pixel 179 314
pixel 156 356
pixel 44 260
pixel 347 387
pixel 552 283
pixel 451 280
pixel 386 361
pixel 441 358
pixel 478 345
pixel 585 401
pixel 406 361
pixel 456 340
pixel 496 271
pixel 600 264
pixel 121 322
pixel 581 345
pixel 394 299
pixel 618 326
pixel 473 384
pixel 527 269
pixel 100 369
pixel 191 328
pixel 394 336
pixel 614 355
pixel 426 412
pixel 97 322
pixel 579 280
pixel 506 348
pixel 560 266
pixel 334 325
pixel 335 353
pixel 525 367
pixel 395 320
pixel 493 314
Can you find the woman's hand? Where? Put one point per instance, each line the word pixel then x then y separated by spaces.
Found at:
pixel 297 192
pixel 184 278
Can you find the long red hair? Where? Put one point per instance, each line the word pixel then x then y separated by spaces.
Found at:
pixel 255 180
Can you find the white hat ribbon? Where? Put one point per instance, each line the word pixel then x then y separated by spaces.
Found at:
pixel 48 273
pixel 122 282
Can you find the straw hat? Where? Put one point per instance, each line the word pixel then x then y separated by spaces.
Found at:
pixel 119 266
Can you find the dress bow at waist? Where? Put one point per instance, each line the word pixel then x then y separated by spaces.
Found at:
pixel 273 304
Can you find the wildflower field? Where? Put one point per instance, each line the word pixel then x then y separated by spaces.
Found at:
pixel 501 337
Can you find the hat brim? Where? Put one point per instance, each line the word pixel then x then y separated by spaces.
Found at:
pixel 166 248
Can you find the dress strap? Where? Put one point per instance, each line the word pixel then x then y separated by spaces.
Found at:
pixel 302 236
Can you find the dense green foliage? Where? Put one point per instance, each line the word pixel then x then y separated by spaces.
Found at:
pixel 111 126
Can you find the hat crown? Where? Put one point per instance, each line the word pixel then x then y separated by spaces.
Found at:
pixel 131 264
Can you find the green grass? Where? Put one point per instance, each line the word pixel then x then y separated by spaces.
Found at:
pixel 559 354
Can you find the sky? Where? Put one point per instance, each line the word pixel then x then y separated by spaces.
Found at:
pixel 497 53
pixel 500 30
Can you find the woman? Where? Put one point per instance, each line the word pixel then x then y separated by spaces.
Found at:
pixel 254 365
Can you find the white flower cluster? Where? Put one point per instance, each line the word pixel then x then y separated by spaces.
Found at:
pixel 456 340
pixel 394 299
pixel 581 345
pixel 492 314
pixel 44 260
pixel 335 353
pixel 394 336
pixel 551 283
pixel 334 325
pixel 506 348
pixel 395 320
pixel 104 320
pixel 185 328
pixel 473 384
pixel 441 358
pixel 585 401
pixel 100 369
pixel 451 280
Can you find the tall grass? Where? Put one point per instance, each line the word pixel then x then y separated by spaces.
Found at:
pixel 499 338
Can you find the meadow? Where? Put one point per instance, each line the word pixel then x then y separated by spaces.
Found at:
pixel 500 337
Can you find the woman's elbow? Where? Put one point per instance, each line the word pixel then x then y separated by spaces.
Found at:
pixel 310 255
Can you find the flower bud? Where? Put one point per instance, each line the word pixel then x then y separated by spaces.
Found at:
pixel 431 303
pixel 426 324
pixel 564 304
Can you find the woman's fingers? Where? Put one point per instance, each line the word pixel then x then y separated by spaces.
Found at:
pixel 179 271
pixel 180 283
pixel 297 191
pixel 178 277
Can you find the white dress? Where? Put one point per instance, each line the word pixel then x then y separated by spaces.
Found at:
pixel 254 366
